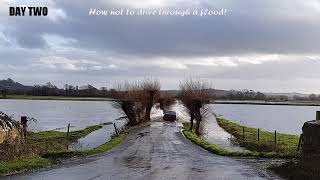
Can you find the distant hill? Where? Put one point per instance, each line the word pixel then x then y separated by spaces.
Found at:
pixel 9 84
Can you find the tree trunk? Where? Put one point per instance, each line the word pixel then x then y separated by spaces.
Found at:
pixel 148 113
pixel 198 127
pixel 162 107
pixel 132 119
pixel 128 110
pixel 191 121
pixel 198 118
pixel 149 106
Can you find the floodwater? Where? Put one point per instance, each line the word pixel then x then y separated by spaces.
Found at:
pixel 211 131
pixel 214 134
pixel 97 138
pixel 158 151
pixel 284 119
pixel 55 115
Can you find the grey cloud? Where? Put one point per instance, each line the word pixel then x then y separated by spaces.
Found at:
pixel 134 43
pixel 295 68
pixel 250 27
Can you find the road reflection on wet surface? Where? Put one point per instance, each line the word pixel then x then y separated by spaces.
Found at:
pixel 155 152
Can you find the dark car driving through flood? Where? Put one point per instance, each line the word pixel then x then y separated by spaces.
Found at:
pixel 170 116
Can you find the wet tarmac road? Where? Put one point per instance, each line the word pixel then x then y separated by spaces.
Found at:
pixel 156 152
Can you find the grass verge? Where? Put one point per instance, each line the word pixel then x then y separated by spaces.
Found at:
pixel 285 143
pixel 296 171
pixel 107 123
pixel 7 168
pixel 48 146
pixel 223 152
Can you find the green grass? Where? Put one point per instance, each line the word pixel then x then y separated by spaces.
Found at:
pixel 23 165
pixel 296 171
pixel 47 135
pixel 223 152
pixel 53 141
pixel 107 123
pixel 66 98
pixel 50 145
pixel 286 144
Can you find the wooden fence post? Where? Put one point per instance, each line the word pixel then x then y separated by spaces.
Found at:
pixel 300 139
pixel 68 131
pixel 275 137
pixel 243 132
pixel 318 115
pixel 24 121
pixel 115 129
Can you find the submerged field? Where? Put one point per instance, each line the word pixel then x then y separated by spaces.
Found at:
pixel 282 118
pixel 284 143
pixel 56 115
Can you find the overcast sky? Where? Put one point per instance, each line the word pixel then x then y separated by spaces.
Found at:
pixel 262 45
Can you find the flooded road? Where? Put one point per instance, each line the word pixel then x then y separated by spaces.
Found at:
pixel 156 152
pixel 214 134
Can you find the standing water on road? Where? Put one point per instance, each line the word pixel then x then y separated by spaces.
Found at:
pixel 211 131
pixel 214 134
pixel 284 119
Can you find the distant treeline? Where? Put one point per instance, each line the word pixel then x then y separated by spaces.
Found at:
pixel 51 90
pixel 252 95
pixel 10 87
pixel 242 95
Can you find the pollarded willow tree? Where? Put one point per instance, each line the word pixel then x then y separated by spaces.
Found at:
pixel 194 95
pixel 136 99
pixel 126 96
pixel 150 93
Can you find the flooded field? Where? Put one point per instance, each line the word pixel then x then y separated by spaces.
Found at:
pixel 286 119
pixel 55 115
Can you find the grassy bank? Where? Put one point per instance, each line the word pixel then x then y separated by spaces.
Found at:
pixel 223 152
pixel 296 171
pixel 23 165
pixel 65 98
pixel 285 143
pixel 48 146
